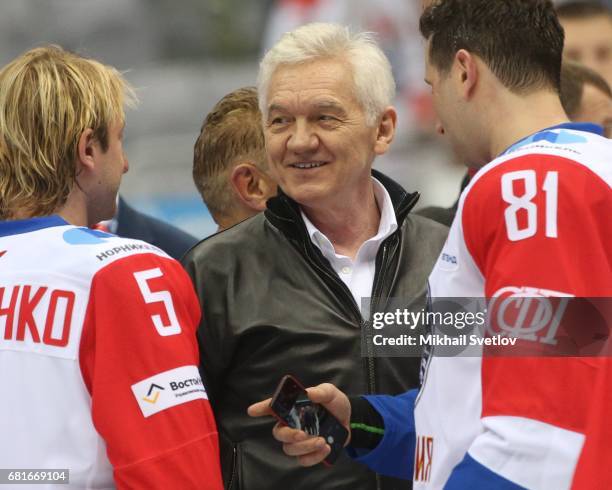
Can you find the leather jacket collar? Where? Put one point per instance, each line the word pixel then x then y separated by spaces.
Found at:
pixel 284 213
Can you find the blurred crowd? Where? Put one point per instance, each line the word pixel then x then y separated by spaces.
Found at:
pixel 182 58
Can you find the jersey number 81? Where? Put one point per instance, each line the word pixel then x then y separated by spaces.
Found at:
pixel 525 202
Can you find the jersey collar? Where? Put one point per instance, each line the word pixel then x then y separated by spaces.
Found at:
pixel 586 127
pixel 18 227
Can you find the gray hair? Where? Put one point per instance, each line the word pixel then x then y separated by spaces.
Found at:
pixel 374 84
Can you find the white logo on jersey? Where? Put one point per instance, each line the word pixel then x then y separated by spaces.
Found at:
pixel 168 389
pixel 527 313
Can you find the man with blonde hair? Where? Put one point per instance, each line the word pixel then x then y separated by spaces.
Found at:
pixel 229 160
pixel 97 347
pixel 287 291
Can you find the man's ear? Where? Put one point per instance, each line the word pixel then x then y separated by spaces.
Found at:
pixel 465 63
pixel 252 186
pixel 386 130
pixel 86 150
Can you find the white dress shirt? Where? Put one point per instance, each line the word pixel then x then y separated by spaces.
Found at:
pixel 358 274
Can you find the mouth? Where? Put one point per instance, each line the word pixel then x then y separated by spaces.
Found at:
pixel 307 165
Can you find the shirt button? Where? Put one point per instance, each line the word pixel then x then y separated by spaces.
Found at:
pixel 345 270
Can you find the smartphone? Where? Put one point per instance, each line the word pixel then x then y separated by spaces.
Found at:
pixel 291 406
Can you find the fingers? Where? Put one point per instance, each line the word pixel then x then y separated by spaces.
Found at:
pixel 333 400
pixel 285 434
pixel 260 409
pixel 312 445
pixel 314 458
pixel 323 393
pixel 308 450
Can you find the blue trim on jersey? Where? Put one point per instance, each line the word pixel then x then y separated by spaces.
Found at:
pixel 576 126
pixel 18 227
pixel 394 455
pixel 475 476
pixel 543 134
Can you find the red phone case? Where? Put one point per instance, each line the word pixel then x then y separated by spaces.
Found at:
pixel 275 396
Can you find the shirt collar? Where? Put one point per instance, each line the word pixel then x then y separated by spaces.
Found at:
pixel 17 227
pixel 387 225
pixel 586 127
pixel 388 221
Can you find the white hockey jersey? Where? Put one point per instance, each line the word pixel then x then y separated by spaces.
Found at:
pixel 98 361
pixel 535 222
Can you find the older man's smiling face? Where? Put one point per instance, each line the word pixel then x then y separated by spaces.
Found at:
pixel 319 146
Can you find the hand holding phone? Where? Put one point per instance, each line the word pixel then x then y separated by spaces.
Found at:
pixel 292 407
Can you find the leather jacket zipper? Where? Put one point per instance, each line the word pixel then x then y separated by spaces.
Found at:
pixel 230 483
pixel 386 252
pixel 341 288
pixel 379 278
pixel 338 284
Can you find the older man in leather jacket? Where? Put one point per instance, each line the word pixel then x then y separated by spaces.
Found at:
pixel 281 292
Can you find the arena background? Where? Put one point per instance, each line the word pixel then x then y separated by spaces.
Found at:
pixel 184 55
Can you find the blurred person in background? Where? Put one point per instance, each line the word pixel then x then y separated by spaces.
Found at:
pixel 98 347
pixel 131 223
pixel 588 35
pixel 442 215
pixel 533 222
pixel 585 96
pixel 229 160
pixel 282 292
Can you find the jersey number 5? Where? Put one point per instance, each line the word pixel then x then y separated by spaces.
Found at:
pixel 525 202
pixel 158 297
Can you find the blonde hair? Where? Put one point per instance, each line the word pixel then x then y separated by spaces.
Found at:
pixel 48 97
pixel 231 131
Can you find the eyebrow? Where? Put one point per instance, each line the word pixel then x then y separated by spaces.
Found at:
pixel 276 107
pixel 323 105
pixel 329 105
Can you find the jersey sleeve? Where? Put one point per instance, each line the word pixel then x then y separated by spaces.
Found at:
pixel 535 226
pixel 395 453
pixel 139 359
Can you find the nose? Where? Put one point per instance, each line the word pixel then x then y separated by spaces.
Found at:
pixel 302 139
pixel 126 164
pixel 439 128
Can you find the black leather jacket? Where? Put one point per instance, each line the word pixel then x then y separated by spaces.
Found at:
pixel 272 305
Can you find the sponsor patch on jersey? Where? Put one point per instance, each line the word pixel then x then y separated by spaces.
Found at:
pixel 169 389
pixel 538 315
